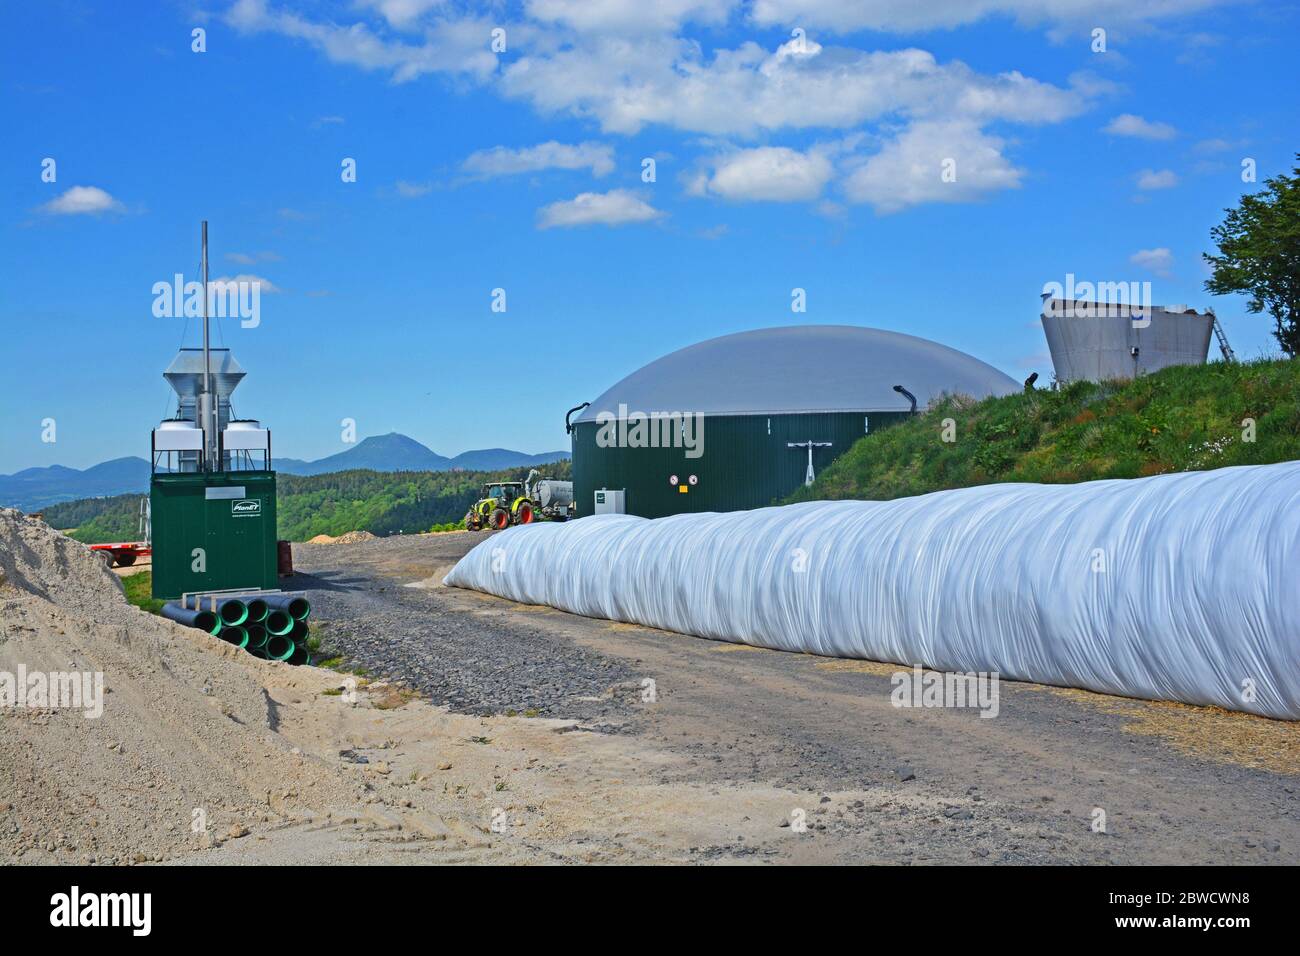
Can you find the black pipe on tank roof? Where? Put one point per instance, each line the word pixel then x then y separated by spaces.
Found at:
pixel 568 429
pixel 908 395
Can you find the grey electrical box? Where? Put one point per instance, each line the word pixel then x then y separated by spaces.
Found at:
pixel 611 502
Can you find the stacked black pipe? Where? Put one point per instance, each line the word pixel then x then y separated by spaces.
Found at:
pixel 270 626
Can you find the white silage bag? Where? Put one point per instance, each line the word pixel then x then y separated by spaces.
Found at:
pixel 1177 587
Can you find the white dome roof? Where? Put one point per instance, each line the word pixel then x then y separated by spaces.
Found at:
pixel 801 369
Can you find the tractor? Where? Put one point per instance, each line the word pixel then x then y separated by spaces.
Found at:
pixel 501 504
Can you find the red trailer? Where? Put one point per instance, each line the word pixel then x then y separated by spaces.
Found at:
pixel 123 554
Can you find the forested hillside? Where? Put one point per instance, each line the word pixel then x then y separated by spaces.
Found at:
pixel 382 503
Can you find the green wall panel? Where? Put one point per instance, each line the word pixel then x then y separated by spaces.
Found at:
pixel 236 529
pixel 745 462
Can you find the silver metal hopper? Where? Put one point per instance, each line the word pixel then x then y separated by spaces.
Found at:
pixel 185 376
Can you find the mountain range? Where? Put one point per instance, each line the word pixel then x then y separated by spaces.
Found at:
pixel 34 488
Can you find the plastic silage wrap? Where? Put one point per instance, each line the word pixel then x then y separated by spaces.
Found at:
pixel 1180 587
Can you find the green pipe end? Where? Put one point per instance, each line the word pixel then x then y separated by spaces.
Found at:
pixel 233 612
pixel 279 647
pixel 257 637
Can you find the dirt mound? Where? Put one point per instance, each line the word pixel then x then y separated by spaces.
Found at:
pixel 183 751
pixel 53 566
pixel 351 537
pixel 354 537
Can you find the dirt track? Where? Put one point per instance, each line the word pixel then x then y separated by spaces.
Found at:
pixel 740 740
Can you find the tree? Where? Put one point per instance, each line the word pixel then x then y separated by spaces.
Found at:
pixel 1259 255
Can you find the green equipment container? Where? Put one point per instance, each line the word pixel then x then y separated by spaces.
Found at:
pixel 229 515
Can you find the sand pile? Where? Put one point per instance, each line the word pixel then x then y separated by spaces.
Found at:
pixel 185 752
pixel 351 537
pixel 354 537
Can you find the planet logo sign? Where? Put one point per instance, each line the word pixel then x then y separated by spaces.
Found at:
pixel 246 508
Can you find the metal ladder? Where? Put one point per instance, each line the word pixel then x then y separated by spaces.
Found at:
pixel 1228 354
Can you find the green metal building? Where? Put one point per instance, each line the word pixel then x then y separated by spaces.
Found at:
pixel 742 421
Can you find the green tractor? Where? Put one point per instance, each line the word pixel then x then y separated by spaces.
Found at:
pixel 501 504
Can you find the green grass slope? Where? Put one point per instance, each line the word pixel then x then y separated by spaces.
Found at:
pixel 1185 418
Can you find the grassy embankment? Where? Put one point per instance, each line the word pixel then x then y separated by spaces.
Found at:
pixel 1186 418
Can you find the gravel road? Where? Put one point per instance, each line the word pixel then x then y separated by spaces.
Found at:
pixel 874 783
pixel 484 661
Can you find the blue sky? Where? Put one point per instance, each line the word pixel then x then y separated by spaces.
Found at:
pixel 781 161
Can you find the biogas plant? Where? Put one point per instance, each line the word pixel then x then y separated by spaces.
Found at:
pixel 212 509
pixel 760 413
pixel 757 414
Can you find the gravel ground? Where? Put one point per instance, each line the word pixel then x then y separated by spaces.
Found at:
pixel 1177 784
pixel 478 663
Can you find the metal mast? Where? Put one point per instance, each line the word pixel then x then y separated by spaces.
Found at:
pixel 207 407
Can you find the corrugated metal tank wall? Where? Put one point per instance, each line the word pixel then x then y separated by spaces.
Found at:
pixel 745 462
pixel 1099 348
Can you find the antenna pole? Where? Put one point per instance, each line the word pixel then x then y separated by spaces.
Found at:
pixel 206 405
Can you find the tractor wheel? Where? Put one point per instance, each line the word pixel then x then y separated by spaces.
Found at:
pixel 125 560
pixel 524 514
pixel 472 521
pixel 500 519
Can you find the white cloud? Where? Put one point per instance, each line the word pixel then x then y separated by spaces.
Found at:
pixel 629 64
pixel 1157 179
pixel 448 46
pixel 910 169
pixel 267 287
pixel 846 16
pixel 1159 260
pixel 413 190
pixel 1127 124
pixel 625 85
pixel 403 13
pixel 614 208
pixel 768 173
pixel 82 201
pixel 629 16
pixel 500 161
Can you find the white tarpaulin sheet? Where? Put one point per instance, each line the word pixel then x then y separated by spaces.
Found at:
pixel 1179 587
